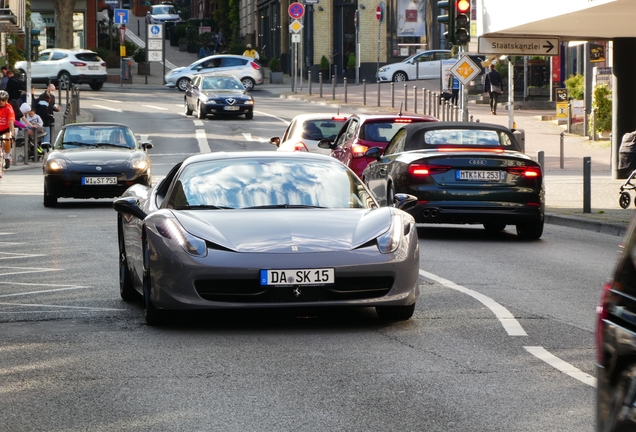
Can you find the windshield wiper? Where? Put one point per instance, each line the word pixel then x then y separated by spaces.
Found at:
pixel 277 206
pixel 202 207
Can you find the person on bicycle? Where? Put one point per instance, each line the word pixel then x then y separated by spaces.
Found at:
pixel 7 129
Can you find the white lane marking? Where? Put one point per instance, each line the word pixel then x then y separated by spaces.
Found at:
pixel 101 99
pixel 204 147
pixel 247 136
pixel 42 291
pixel 107 108
pixel 507 320
pixel 25 270
pixel 61 307
pixel 542 354
pixel 10 243
pixel 9 255
pixel 156 107
pixel 271 115
pixel 143 138
pixel 198 122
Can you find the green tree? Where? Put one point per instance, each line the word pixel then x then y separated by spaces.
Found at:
pixel 575 85
pixel 602 103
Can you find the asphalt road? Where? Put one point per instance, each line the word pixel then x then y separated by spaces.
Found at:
pixel 502 338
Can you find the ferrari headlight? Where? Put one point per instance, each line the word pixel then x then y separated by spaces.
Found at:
pixel 390 240
pixel 55 164
pixel 173 230
pixel 139 164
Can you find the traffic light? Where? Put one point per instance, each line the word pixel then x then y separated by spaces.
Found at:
pixel 462 22
pixel 448 19
pixel 35 43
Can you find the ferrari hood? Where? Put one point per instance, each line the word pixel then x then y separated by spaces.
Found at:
pixel 287 230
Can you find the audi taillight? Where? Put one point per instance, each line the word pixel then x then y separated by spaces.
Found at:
pixel 339 118
pixel 78 64
pixel 300 146
pixel 601 315
pixel 255 65
pixel 402 120
pixel 423 170
pixel 358 151
pixel 524 171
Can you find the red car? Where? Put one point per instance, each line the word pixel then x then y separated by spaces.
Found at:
pixel 362 132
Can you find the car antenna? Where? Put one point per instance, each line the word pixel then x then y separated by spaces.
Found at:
pixel 400 113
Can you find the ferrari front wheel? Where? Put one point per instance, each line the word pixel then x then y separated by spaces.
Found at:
pixel 153 316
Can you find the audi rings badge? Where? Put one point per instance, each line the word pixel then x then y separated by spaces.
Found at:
pixel 478 161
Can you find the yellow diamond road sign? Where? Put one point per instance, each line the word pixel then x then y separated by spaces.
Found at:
pixel 465 70
pixel 295 26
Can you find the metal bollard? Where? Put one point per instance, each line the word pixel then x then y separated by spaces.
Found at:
pixel 569 118
pixel 309 79
pixel 364 92
pixel 561 151
pixel 320 82
pixel 415 99
pixel 587 184
pixel 406 98
pixel 392 94
pixel 345 89
pixel 541 160
pixel 436 105
pixel 423 101
pixel 67 97
pixel 378 92
pixel 333 87
pixel 470 118
pixel 430 102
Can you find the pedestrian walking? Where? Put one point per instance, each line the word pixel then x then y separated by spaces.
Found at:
pixel 493 85
pixel 453 86
pixel 3 81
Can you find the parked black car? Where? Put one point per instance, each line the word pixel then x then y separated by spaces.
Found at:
pixel 461 172
pixel 616 344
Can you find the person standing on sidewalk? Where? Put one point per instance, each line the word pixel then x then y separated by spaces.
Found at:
pixel 3 81
pixel 494 87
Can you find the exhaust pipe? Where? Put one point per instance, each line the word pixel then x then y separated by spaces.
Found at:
pixel 426 213
pixel 434 212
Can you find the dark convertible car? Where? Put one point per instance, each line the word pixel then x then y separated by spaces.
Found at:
pixel 94 160
pixel 217 94
pixel 461 172
pixel 264 230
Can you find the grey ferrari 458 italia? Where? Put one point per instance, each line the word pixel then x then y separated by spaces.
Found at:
pixel 265 230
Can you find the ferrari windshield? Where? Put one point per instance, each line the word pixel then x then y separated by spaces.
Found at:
pixel 268 183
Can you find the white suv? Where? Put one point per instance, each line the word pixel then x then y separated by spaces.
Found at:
pixel 244 68
pixel 64 66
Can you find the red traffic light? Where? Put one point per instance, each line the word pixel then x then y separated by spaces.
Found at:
pixel 463 6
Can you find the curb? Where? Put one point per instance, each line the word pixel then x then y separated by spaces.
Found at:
pixel 602 227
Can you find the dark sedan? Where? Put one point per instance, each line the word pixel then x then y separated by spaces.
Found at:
pixel 616 344
pixel 464 173
pixel 219 95
pixel 94 160
pixel 264 230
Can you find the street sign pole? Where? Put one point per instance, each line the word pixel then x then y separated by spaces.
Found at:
pixel 357 17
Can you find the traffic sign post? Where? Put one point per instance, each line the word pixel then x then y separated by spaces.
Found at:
pixel 379 14
pixel 524 46
pixel 155 46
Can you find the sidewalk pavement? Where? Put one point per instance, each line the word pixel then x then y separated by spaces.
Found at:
pixel 564 186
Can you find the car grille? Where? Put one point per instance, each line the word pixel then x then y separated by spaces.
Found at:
pixel 250 290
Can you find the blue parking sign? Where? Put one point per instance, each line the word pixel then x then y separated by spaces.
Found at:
pixel 121 16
